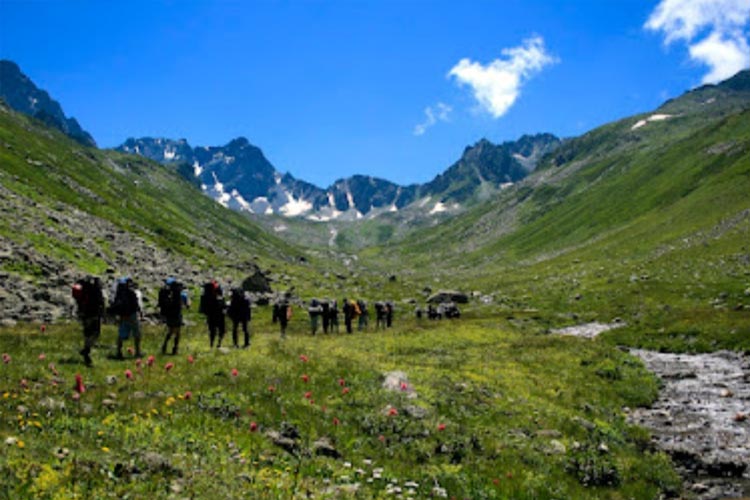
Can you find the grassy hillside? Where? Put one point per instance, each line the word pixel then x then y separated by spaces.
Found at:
pixel 650 224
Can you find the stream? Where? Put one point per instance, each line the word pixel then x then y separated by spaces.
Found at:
pixel 701 417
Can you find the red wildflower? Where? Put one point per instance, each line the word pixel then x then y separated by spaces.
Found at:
pixel 42 357
pixel 345 390
pixel 188 395
pixel 191 359
pixel 169 366
pixel 336 421
pixel 404 386
pixel 308 395
pixel 271 388
pixel 253 426
pixel 441 427
pixel 235 372
pixel 24 383
pixel 6 358
pixel 312 401
pixel 303 358
pixel 509 475
pixel 305 378
pixel 79 387
pixel 130 350
pixel 138 362
pixel 43 328
pixel 76 396
pixel 381 438
pixel 128 374
pixel 496 481
pixel 150 360
pixel 342 382
pixel 392 411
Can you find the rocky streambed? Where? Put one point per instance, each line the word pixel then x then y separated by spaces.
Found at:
pixel 701 418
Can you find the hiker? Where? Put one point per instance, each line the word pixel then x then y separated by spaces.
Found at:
pixel 282 312
pixel 325 315
pixel 127 309
pixel 89 298
pixel 389 314
pixel 212 306
pixel 333 316
pixel 348 312
pixel 315 310
pixel 240 313
pixel 364 315
pixel 172 298
pixel 380 315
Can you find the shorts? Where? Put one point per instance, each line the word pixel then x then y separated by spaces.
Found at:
pixel 129 326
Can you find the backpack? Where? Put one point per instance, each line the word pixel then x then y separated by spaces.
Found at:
pixel 126 301
pixel 87 293
pixel 170 299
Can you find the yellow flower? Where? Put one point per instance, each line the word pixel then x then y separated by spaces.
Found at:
pixel 105 449
pixel 6 395
pixel 20 444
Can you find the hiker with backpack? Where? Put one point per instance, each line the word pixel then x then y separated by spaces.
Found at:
pixel 325 314
pixel 282 312
pixel 380 315
pixel 364 315
pixel 240 313
pixel 126 308
pixel 212 306
pixel 333 316
pixel 315 310
pixel 171 301
pixel 351 313
pixel 389 307
pixel 89 298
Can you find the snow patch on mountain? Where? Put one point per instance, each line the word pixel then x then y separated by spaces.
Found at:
pixel 197 169
pixel 653 118
pixel 295 206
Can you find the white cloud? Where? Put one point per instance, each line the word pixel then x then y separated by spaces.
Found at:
pixel 497 85
pixel 714 30
pixel 440 112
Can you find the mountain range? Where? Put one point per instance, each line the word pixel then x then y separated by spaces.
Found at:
pixel 239 176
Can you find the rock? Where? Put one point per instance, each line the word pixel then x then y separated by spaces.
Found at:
pixel 111 379
pixel 414 411
pixel 257 282
pixel 288 444
pixel 398 381
pixel 550 433
pixel 448 296
pixel 109 403
pixel 556 448
pixel 324 447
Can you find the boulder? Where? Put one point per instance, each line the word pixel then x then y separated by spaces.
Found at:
pixel 448 296
pixel 257 282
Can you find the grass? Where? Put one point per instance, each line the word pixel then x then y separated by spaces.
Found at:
pixel 502 411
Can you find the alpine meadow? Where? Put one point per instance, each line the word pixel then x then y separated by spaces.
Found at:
pixel 548 318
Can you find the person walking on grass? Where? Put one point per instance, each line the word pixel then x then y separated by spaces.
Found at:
pixel 89 298
pixel 241 314
pixel 171 301
pixel 212 306
pixel 127 309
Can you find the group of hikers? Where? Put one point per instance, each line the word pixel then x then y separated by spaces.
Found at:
pixel 126 306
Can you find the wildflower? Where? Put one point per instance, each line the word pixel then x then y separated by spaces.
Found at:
pixel 6 358
pixel 43 328
pixel 342 382
pixel 24 383
pixel 303 358
pixel 20 444
pixel 392 412
pixel 52 368
pixel 79 387
pixel 105 449
pixel 509 475
pixel 253 426
pixel 188 395
pixel 381 438
pixel 345 390
pixel 191 359
pixel 336 421
pixel 441 427
pixel 271 388
pixel 138 363
pixel 76 396
pixel 169 366
pixel 128 374
pixel 130 350
pixel 496 481
pixel 404 386
pixel 150 360
pixel 305 378
pixel 42 357
pixel 308 395
pixel 235 372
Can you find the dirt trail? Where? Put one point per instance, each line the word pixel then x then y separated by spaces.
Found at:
pixel 701 418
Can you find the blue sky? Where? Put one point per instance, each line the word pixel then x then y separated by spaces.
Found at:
pixel 394 89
